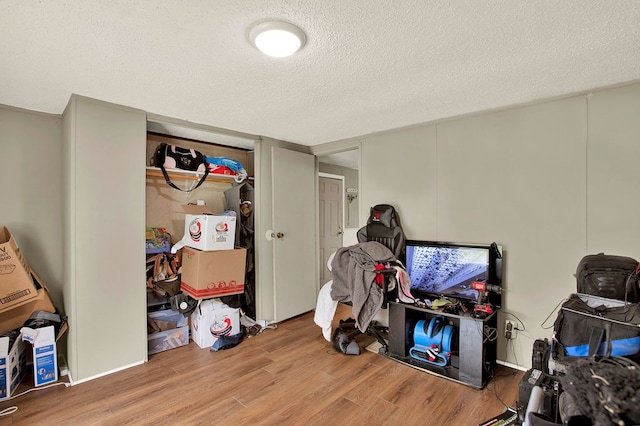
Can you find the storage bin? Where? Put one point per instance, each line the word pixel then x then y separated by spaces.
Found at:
pixel 168 339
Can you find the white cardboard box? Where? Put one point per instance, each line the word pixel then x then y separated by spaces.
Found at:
pixel 45 358
pixel 209 232
pixel 12 366
pixel 205 231
pixel 209 323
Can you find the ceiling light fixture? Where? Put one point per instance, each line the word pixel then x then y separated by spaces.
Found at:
pixel 277 39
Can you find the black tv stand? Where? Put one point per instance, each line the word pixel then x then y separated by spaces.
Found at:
pixel 477 342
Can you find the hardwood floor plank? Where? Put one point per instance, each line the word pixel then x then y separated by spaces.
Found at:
pixel 287 376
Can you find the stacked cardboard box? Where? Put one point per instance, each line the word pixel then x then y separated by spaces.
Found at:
pixel 211 265
pixel 213 319
pixel 16 284
pixel 205 231
pixel 15 317
pixel 22 292
pixel 209 274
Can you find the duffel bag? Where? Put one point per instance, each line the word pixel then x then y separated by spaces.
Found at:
pixel 592 326
pixel 609 276
pixel 175 157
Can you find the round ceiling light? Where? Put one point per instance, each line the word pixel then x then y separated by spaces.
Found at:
pixel 277 39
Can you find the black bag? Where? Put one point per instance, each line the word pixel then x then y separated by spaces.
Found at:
pixel 174 157
pixel 540 355
pixel 609 276
pixel 592 326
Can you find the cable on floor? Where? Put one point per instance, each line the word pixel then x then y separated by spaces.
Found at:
pixel 14 408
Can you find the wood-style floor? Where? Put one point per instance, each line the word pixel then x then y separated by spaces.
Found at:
pixel 288 376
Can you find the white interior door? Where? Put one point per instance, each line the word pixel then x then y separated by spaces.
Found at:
pixel 330 194
pixel 294 226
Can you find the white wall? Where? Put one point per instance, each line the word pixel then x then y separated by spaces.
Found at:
pixel 517 177
pixel 400 169
pixel 613 171
pixel 551 182
pixel 31 177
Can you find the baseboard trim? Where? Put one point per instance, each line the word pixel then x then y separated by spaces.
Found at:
pixel 514 366
pixel 86 379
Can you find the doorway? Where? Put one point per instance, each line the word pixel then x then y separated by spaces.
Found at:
pixel 331 219
pixel 341 231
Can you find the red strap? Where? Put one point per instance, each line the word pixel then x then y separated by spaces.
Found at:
pixel 379 277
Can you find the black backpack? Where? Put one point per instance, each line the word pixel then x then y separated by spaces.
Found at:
pixel 608 276
pixel 384 227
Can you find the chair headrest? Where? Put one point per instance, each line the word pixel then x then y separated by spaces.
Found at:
pixel 383 214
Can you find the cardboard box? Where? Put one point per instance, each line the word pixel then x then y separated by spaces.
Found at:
pixel 168 339
pixel 45 356
pixel 12 365
pixel 205 231
pixel 208 324
pixel 15 358
pixel 15 317
pixel 16 285
pixel 209 274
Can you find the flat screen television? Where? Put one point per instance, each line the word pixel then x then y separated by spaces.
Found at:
pixel 445 269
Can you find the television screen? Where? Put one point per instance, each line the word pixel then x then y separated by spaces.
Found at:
pixel 446 269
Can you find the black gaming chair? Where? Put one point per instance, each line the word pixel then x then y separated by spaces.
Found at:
pixel 383 227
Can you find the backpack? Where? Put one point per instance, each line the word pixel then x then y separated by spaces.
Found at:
pixel 609 276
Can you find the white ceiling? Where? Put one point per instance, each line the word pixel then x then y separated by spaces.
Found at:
pixel 368 66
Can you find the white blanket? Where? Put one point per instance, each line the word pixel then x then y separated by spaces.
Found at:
pixel 325 310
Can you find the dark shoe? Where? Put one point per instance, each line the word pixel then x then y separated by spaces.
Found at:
pixel 342 343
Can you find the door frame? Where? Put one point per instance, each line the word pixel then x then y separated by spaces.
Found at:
pixel 327 149
pixel 335 148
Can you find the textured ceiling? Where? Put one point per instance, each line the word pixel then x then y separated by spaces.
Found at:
pixel 368 66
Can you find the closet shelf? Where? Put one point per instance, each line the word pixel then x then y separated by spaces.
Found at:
pixel 187 175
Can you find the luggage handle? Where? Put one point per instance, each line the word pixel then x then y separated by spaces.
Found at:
pixel 597 337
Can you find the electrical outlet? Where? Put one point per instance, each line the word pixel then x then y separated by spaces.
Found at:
pixel 509 329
